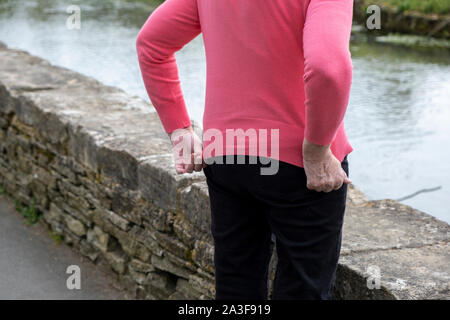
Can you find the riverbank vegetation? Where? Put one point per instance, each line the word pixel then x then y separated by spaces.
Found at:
pixel 429 18
pixel 441 7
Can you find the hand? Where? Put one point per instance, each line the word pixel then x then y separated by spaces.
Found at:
pixel 323 171
pixel 187 150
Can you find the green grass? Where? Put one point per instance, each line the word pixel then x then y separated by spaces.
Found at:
pixel 56 237
pixel 31 215
pixel 29 212
pixel 425 6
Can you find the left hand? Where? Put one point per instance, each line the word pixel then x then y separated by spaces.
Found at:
pixel 323 171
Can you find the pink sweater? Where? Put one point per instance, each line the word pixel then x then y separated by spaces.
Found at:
pixel 271 64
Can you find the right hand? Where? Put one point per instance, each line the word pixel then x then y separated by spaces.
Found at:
pixel 323 171
pixel 187 150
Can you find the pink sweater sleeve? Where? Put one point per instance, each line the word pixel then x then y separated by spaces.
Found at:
pixel 173 24
pixel 328 67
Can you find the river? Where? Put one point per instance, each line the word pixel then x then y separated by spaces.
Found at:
pixel 398 120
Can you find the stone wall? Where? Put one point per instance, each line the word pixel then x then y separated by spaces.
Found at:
pixel 97 165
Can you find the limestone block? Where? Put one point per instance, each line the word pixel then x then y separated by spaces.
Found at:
pixel 75 225
pixel 203 255
pixel 87 250
pixel 99 239
pixel 141 266
pixel 117 261
pixel 165 265
pixel 194 203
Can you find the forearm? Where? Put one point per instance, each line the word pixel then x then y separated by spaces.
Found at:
pixel 168 29
pixel 172 135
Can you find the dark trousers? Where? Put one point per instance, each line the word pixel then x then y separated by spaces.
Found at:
pixel 247 208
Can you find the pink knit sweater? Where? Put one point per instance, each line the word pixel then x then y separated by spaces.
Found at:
pixel 279 65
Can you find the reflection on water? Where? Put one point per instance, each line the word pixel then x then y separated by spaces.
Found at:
pixel 398 119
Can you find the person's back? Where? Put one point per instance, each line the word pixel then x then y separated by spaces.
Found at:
pixel 255 66
pixel 265 59
pixel 278 83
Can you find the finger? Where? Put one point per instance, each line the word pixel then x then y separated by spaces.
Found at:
pixel 179 166
pixel 309 185
pixel 180 169
pixel 198 162
pixel 319 188
pixel 197 167
pixel 346 179
pixel 328 185
pixel 190 166
pixel 338 184
pixel 313 188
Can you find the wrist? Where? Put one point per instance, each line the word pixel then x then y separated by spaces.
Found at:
pixel 314 152
pixel 179 132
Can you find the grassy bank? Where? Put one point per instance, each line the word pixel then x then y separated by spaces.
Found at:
pixel 422 6
pixel 425 6
pixel 428 18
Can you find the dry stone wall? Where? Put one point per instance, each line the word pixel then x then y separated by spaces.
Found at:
pixel 96 163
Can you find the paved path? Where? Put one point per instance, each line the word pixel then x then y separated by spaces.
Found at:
pixel 33 266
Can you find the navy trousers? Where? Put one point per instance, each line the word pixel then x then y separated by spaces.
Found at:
pixel 247 208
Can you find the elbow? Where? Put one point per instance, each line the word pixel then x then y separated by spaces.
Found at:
pixel 150 48
pixel 147 47
pixel 139 41
pixel 141 44
pixel 333 72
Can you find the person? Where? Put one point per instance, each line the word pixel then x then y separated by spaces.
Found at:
pixel 278 71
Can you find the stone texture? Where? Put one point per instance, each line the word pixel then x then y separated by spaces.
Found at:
pixel 117 261
pixel 194 203
pixel 203 255
pixel 87 250
pixel 387 224
pixel 141 266
pixel 157 180
pixel 411 273
pixel 165 264
pixel 75 226
pixel 99 239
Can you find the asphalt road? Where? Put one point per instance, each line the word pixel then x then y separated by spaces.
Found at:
pixel 33 265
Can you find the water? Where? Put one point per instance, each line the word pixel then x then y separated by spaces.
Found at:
pixel 398 119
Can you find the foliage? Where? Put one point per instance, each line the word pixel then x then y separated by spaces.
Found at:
pixel 29 212
pixel 56 237
pixel 425 6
